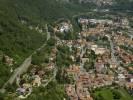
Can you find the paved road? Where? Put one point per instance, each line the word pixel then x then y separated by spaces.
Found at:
pixel 52 78
pixel 23 68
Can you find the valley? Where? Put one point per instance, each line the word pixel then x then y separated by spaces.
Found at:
pixel 66 50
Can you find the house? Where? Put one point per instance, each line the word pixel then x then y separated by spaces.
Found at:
pixel 99 67
pixel 70 91
pixel 130 68
pixel 101 21
pixel 82 93
pixel 83 21
pixel 125 22
pixel 73 69
pixel 121 77
pixel 65 27
pixel 94 47
pixel 9 61
pixel 50 66
pixel 100 51
pixel 37 81
pixel 21 91
pixel 113 65
pixel 129 85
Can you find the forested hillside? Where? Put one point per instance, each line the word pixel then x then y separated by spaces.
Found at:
pixel 123 5
pixel 16 37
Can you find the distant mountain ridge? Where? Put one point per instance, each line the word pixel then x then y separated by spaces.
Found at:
pixel 98 2
pixel 120 4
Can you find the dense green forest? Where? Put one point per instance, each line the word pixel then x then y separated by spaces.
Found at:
pixel 123 5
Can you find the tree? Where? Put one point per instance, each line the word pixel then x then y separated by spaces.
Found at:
pixel 2 96
pixel 116 95
pixel 51 42
pixel 60 76
pixel 89 65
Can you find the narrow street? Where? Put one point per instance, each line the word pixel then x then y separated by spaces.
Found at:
pixel 83 50
pixel 113 58
pixel 82 62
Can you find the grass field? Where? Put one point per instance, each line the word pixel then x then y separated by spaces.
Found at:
pixel 107 94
